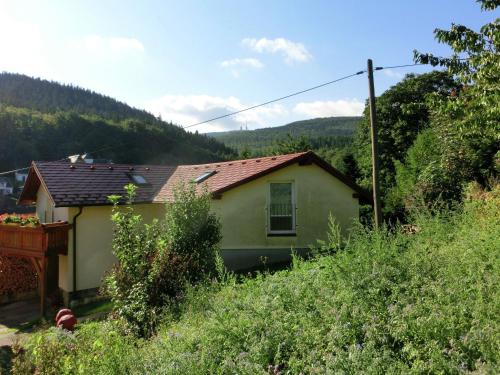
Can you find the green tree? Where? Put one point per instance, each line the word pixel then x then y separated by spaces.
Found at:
pixel 419 179
pixel 468 121
pixel 290 145
pixel 402 112
pixel 245 153
pixel 344 160
pixel 157 261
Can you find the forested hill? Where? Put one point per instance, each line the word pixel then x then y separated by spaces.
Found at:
pixel 42 120
pixel 328 131
pixel 49 97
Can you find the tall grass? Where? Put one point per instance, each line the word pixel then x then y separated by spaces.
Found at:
pixel 388 302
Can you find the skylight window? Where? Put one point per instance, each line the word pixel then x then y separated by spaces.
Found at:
pixel 138 179
pixel 204 176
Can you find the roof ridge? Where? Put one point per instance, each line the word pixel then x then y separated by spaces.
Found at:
pixel 104 164
pixel 273 157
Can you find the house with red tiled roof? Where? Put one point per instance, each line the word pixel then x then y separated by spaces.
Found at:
pixel 267 206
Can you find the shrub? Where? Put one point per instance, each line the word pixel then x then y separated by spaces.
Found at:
pixel 156 261
pixel 96 348
pixel 22 220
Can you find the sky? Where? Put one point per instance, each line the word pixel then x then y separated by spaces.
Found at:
pixel 190 61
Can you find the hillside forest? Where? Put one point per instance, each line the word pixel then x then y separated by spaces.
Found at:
pixel 44 120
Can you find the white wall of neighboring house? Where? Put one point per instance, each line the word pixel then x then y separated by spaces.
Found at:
pixel 21 177
pixel 5 187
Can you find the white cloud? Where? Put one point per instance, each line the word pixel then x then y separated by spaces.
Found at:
pixel 98 43
pixel 349 107
pixel 252 63
pixel 185 110
pixel 22 46
pixel 393 74
pixel 292 51
pixel 237 66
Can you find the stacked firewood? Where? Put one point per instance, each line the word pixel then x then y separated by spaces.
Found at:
pixel 16 275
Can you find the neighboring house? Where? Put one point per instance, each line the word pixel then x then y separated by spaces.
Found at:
pixel 6 187
pixel 21 177
pixel 267 206
pixel 88 158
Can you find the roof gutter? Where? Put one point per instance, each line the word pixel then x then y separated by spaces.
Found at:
pixel 80 210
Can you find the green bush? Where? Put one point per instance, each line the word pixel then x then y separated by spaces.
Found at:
pixel 422 181
pixel 96 348
pixel 156 261
pixel 386 302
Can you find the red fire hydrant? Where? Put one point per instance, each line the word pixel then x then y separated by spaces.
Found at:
pixel 66 319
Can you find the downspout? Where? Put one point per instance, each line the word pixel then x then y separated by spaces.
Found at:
pixel 80 209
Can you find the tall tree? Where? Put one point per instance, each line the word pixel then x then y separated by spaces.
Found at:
pixel 291 145
pixel 468 122
pixel 402 112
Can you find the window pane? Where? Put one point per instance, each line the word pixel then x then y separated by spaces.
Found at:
pixel 281 223
pixel 281 193
pixel 281 208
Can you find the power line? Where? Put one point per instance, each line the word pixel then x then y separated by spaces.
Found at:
pixel 397 66
pixel 415 64
pixel 277 99
pixel 62 159
pixel 14 170
pixel 249 108
pixel 300 92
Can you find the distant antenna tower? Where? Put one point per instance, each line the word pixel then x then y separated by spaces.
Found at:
pixel 246 125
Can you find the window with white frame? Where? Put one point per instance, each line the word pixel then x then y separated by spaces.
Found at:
pixel 281 210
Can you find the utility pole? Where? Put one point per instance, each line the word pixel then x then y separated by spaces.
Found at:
pixel 374 134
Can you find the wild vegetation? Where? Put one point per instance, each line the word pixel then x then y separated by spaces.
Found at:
pixel 393 301
pixel 435 143
pixel 403 112
pixel 157 261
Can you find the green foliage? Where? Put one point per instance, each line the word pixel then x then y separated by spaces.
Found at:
pixel 41 120
pixel 156 261
pixel 388 302
pixel 329 132
pixel 334 239
pixel 290 145
pixel 19 90
pixel 193 232
pixel 468 121
pixel 402 113
pixel 344 160
pixel 97 348
pixel 19 220
pixel 420 180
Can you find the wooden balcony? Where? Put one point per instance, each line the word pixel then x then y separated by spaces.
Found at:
pixel 36 243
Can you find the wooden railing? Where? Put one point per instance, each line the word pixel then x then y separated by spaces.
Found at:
pixel 35 241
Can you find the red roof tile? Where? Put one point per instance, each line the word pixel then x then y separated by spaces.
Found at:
pixel 81 185
pixel 227 174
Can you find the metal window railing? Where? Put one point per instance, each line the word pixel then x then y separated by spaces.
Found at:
pixel 281 210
